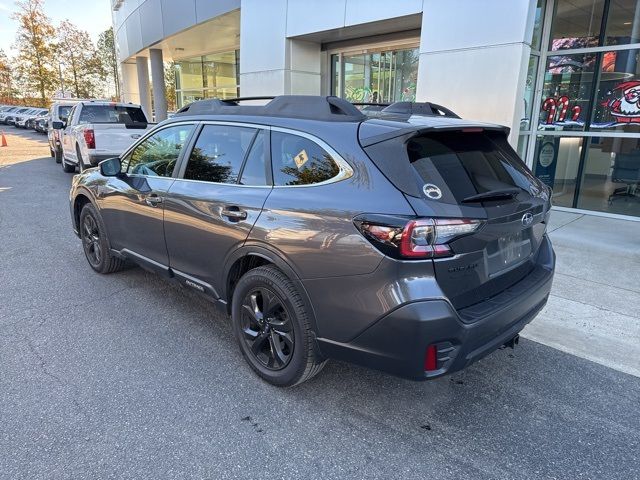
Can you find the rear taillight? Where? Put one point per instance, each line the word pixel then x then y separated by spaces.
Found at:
pixel 89 138
pixel 415 239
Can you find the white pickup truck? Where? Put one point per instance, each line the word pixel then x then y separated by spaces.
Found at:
pixel 98 130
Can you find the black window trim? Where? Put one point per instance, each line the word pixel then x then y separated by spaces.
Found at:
pixel 183 150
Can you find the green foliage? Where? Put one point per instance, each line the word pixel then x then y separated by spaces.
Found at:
pixel 170 85
pixel 106 50
pixel 36 50
pixel 82 68
pixel 7 90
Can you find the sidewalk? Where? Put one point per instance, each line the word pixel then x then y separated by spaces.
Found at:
pixel 594 308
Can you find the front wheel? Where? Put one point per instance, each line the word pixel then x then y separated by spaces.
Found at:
pixel 58 155
pixel 272 327
pixel 95 242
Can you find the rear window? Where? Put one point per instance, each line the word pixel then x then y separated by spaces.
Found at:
pixel 63 111
pixel 111 114
pixel 462 164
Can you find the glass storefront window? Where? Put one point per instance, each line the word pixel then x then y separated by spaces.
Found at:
pixel 593 92
pixel 623 22
pixel 556 162
pixel 523 141
pixel 529 92
pixel 185 97
pixel 568 82
pixel 189 73
pixel 611 176
pixel 380 77
pixel 617 104
pixel 219 70
pixel 335 75
pixel 209 76
pixel 576 24
pixel 536 41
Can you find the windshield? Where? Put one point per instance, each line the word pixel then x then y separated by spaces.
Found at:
pixel 111 114
pixel 464 164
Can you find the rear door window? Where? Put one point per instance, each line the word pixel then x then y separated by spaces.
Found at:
pixel 219 153
pixel 462 164
pixel 298 160
pixel 254 171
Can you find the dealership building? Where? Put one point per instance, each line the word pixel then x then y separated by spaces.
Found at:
pixel 564 75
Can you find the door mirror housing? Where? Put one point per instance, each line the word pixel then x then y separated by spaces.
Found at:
pixel 58 125
pixel 110 167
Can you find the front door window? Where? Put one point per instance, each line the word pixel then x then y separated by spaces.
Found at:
pixel 157 155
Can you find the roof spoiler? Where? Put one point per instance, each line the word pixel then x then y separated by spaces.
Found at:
pixel 418 130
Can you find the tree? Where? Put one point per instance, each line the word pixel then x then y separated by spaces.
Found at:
pixel 81 65
pixel 107 53
pixel 7 92
pixel 36 52
pixel 170 85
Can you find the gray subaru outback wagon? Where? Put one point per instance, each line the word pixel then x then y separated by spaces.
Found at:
pixel 406 240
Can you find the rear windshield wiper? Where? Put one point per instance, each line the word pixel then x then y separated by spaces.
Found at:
pixel 493 195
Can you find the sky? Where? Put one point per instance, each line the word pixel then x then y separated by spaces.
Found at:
pixel 94 16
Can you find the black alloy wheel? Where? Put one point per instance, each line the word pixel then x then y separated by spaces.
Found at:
pixel 91 241
pixel 95 242
pixel 267 328
pixel 273 328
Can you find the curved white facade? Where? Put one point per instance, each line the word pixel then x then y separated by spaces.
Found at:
pixel 283 44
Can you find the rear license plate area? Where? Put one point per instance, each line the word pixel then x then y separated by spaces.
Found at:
pixel 508 251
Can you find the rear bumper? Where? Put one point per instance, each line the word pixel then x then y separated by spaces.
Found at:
pixel 397 342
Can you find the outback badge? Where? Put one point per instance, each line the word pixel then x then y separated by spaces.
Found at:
pixel 432 191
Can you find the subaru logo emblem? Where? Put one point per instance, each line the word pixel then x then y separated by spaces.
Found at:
pixel 432 191
pixel 527 219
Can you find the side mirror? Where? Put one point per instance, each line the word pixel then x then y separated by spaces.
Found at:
pixel 58 125
pixel 110 167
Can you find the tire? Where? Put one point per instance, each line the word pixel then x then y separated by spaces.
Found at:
pixel 283 328
pixel 57 154
pixel 95 242
pixel 67 167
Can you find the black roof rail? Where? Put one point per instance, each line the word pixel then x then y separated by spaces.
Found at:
pixel 419 108
pixel 310 107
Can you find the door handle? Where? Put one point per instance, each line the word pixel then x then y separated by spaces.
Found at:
pixel 233 213
pixel 153 200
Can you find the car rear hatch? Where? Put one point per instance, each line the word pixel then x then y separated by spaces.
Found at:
pixel 470 174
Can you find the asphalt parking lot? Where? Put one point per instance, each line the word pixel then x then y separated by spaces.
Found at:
pixel 128 376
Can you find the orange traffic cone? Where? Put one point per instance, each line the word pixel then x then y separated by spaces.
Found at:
pixel 4 140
